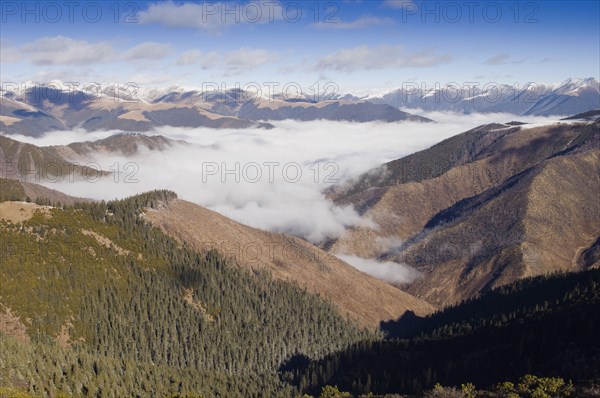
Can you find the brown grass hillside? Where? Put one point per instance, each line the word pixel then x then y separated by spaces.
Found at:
pixel 364 298
pixel 508 203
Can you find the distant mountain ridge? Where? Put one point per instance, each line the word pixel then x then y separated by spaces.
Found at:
pixel 57 106
pixel 31 163
pixel 569 97
pixel 44 108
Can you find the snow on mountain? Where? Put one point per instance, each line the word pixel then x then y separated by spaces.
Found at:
pixel 565 98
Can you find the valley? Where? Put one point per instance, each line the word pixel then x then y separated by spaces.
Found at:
pixel 473 214
pixel 299 199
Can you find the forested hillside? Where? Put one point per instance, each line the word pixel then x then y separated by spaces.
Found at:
pixel 359 296
pixel 544 325
pixel 99 303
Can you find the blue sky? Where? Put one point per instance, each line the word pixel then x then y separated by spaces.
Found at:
pixel 361 46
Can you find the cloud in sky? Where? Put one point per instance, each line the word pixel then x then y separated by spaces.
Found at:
pixel 232 63
pixel 148 50
pixel 399 4
pixel 239 61
pixel 213 17
pixel 363 22
pixel 189 57
pixel 8 54
pixel 61 50
pixel 184 22
pixel 502 59
pixel 380 57
pixel 67 73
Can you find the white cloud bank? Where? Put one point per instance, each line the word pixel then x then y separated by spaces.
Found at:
pixel 388 271
pixel 205 172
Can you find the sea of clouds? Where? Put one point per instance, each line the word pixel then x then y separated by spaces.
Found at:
pixel 269 179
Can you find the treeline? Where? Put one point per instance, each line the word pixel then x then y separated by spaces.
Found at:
pixel 115 308
pixel 528 386
pixel 513 303
pixel 11 190
pixel 545 325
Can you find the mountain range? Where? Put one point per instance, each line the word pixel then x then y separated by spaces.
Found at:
pixel 37 109
pixel 44 108
pixel 483 208
pixel 569 97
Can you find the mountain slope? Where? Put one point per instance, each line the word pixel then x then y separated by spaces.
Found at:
pixel 30 163
pixel 18 117
pixel 542 326
pixel 15 190
pixel 98 302
pixel 571 97
pixel 327 110
pixel 501 186
pixel 50 164
pixel 535 223
pixel 363 297
pixel 590 115
pixel 126 144
pixel 243 104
